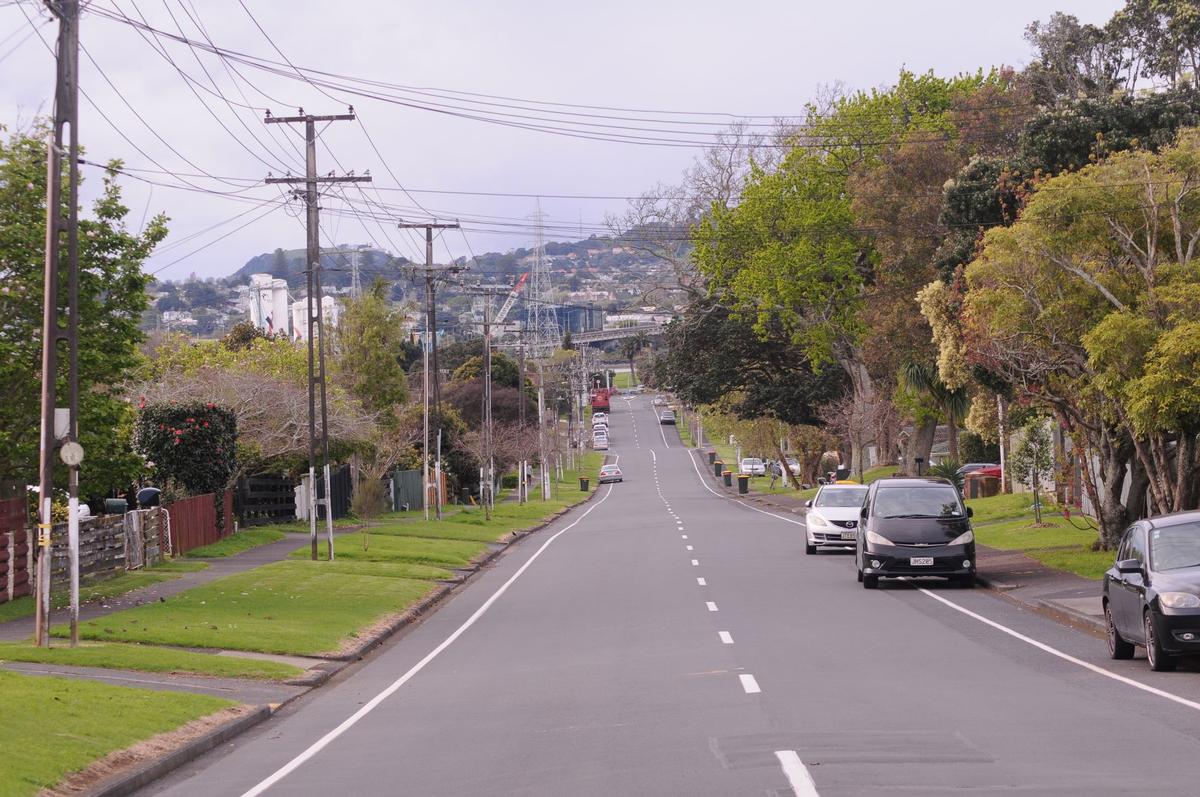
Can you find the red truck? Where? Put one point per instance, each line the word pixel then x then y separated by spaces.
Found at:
pixel 600 400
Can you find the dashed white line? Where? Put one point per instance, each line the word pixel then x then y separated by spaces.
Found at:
pixel 702 582
pixel 712 607
pixel 695 563
pixel 726 637
pixel 797 774
pixel 683 536
pixel 749 684
pixel 689 547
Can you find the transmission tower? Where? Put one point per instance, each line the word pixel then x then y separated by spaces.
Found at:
pixel 542 321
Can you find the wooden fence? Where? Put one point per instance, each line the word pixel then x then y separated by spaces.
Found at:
pixel 14 550
pixel 265 498
pixel 193 522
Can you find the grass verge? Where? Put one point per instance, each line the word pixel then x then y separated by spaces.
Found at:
pixel 1060 545
pixel 55 726
pixel 119 656
pixel 236 543
pixel 284 607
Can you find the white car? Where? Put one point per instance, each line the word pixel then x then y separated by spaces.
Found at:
pixel 600 443
pixel 832 517
pixel 753 466
pixel 609 474
pixel 600 417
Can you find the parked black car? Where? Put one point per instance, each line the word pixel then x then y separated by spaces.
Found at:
pixel 1152 592
pixel 914 527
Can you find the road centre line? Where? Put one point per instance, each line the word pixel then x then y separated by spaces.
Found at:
pixel 749 684
pixel 726 637
pixel 797 774
pixel 998 626
pixel 702 582
pixel 712 607
pixel 689 547
pixel 683 536
pixel 374 702
pixel 695 563
pixel 1183 701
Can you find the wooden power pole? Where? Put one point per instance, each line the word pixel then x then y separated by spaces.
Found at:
pixel 315 317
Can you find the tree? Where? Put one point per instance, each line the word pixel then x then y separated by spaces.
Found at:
pixel 112 298
pixel 504 370
pixel 1032 460
pixel 953 402
pixel 242 335
pixel 368 350
pixel 367 504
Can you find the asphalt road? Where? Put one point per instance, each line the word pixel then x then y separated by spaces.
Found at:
pixel 666 640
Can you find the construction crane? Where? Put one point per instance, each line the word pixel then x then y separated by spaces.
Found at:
pixel 509 302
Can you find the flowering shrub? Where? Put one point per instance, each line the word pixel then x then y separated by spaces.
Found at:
pixel 191 445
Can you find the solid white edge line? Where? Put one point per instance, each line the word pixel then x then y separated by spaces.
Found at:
pixel 374 702
pixel 662 430
pixel 712 607
pixel 704 484
pixel 1183 701
pixel 725 637
pixel 797 774
pixel 749 684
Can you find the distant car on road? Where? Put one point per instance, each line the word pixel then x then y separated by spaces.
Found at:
pixel 752 466
pixel 914 527
pixel 600 442
pixel 667 417
pixel 610 473
pixel 659 401
pixel 1151 594
pixel 793 465
pixel 832 517
pixel 599 417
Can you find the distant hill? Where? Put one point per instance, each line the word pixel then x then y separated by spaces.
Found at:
pixel 289 264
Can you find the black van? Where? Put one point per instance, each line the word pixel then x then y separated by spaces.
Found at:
pixel 914 527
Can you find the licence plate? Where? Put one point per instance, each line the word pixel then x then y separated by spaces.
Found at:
pixel 848 535
pixel 921 561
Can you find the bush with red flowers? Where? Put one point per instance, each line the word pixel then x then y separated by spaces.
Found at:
pixel 191 445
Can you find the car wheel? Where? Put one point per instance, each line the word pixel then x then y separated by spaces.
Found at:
pixel 870 582
pixel 1118 648
pixel 1158 659
pixel 810 549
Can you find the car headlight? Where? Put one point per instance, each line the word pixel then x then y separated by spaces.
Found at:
pixel 964 538
pixel 815 520
pixel 878 539
pixel 1179 600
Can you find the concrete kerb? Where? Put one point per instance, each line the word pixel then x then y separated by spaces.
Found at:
pixel 129 782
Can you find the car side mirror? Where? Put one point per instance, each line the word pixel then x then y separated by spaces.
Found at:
pixel 808 504
pixel 863 513
pixel 970 512
pixel 1129 566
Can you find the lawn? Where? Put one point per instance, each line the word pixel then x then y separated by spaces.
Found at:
pixel 1061 546
pixel 307 608
pixel 55 726
pixel 623 380
pixel 297 607
pixel 1005 507
pixel 119 656
pixel 237 542
pixel 88 592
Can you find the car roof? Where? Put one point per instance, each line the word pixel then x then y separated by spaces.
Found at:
pixel 1174 519
pixel 610 467
pixel 911 481
pixel 845 486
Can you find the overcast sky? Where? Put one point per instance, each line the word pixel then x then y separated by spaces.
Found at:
pixel 761 57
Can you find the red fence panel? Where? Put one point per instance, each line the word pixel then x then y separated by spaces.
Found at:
pixel 14 550
pixel 193 522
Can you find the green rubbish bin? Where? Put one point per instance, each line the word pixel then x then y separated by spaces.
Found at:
pixel 583 484
pixel 115 506
pixel 728 477
pixel 718 468
pixel 712 457
pixel 743 483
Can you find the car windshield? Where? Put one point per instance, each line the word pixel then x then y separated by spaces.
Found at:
pixel 1175 547
pixel 849 497
pixel 934 501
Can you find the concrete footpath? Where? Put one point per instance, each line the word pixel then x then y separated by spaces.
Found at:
pixel 1018 579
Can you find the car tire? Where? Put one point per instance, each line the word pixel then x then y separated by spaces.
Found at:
pixel 1158 659
pixel 870 582
pixel 1118 648
pixel 810 549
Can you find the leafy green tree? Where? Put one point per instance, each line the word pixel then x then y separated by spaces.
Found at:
pixel 1032 460
pixel 953 402
pixel 368 350
pixel 504 370
pixel 112 295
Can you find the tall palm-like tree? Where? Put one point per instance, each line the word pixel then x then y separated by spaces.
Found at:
pixel 629 350
pixel 954 403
